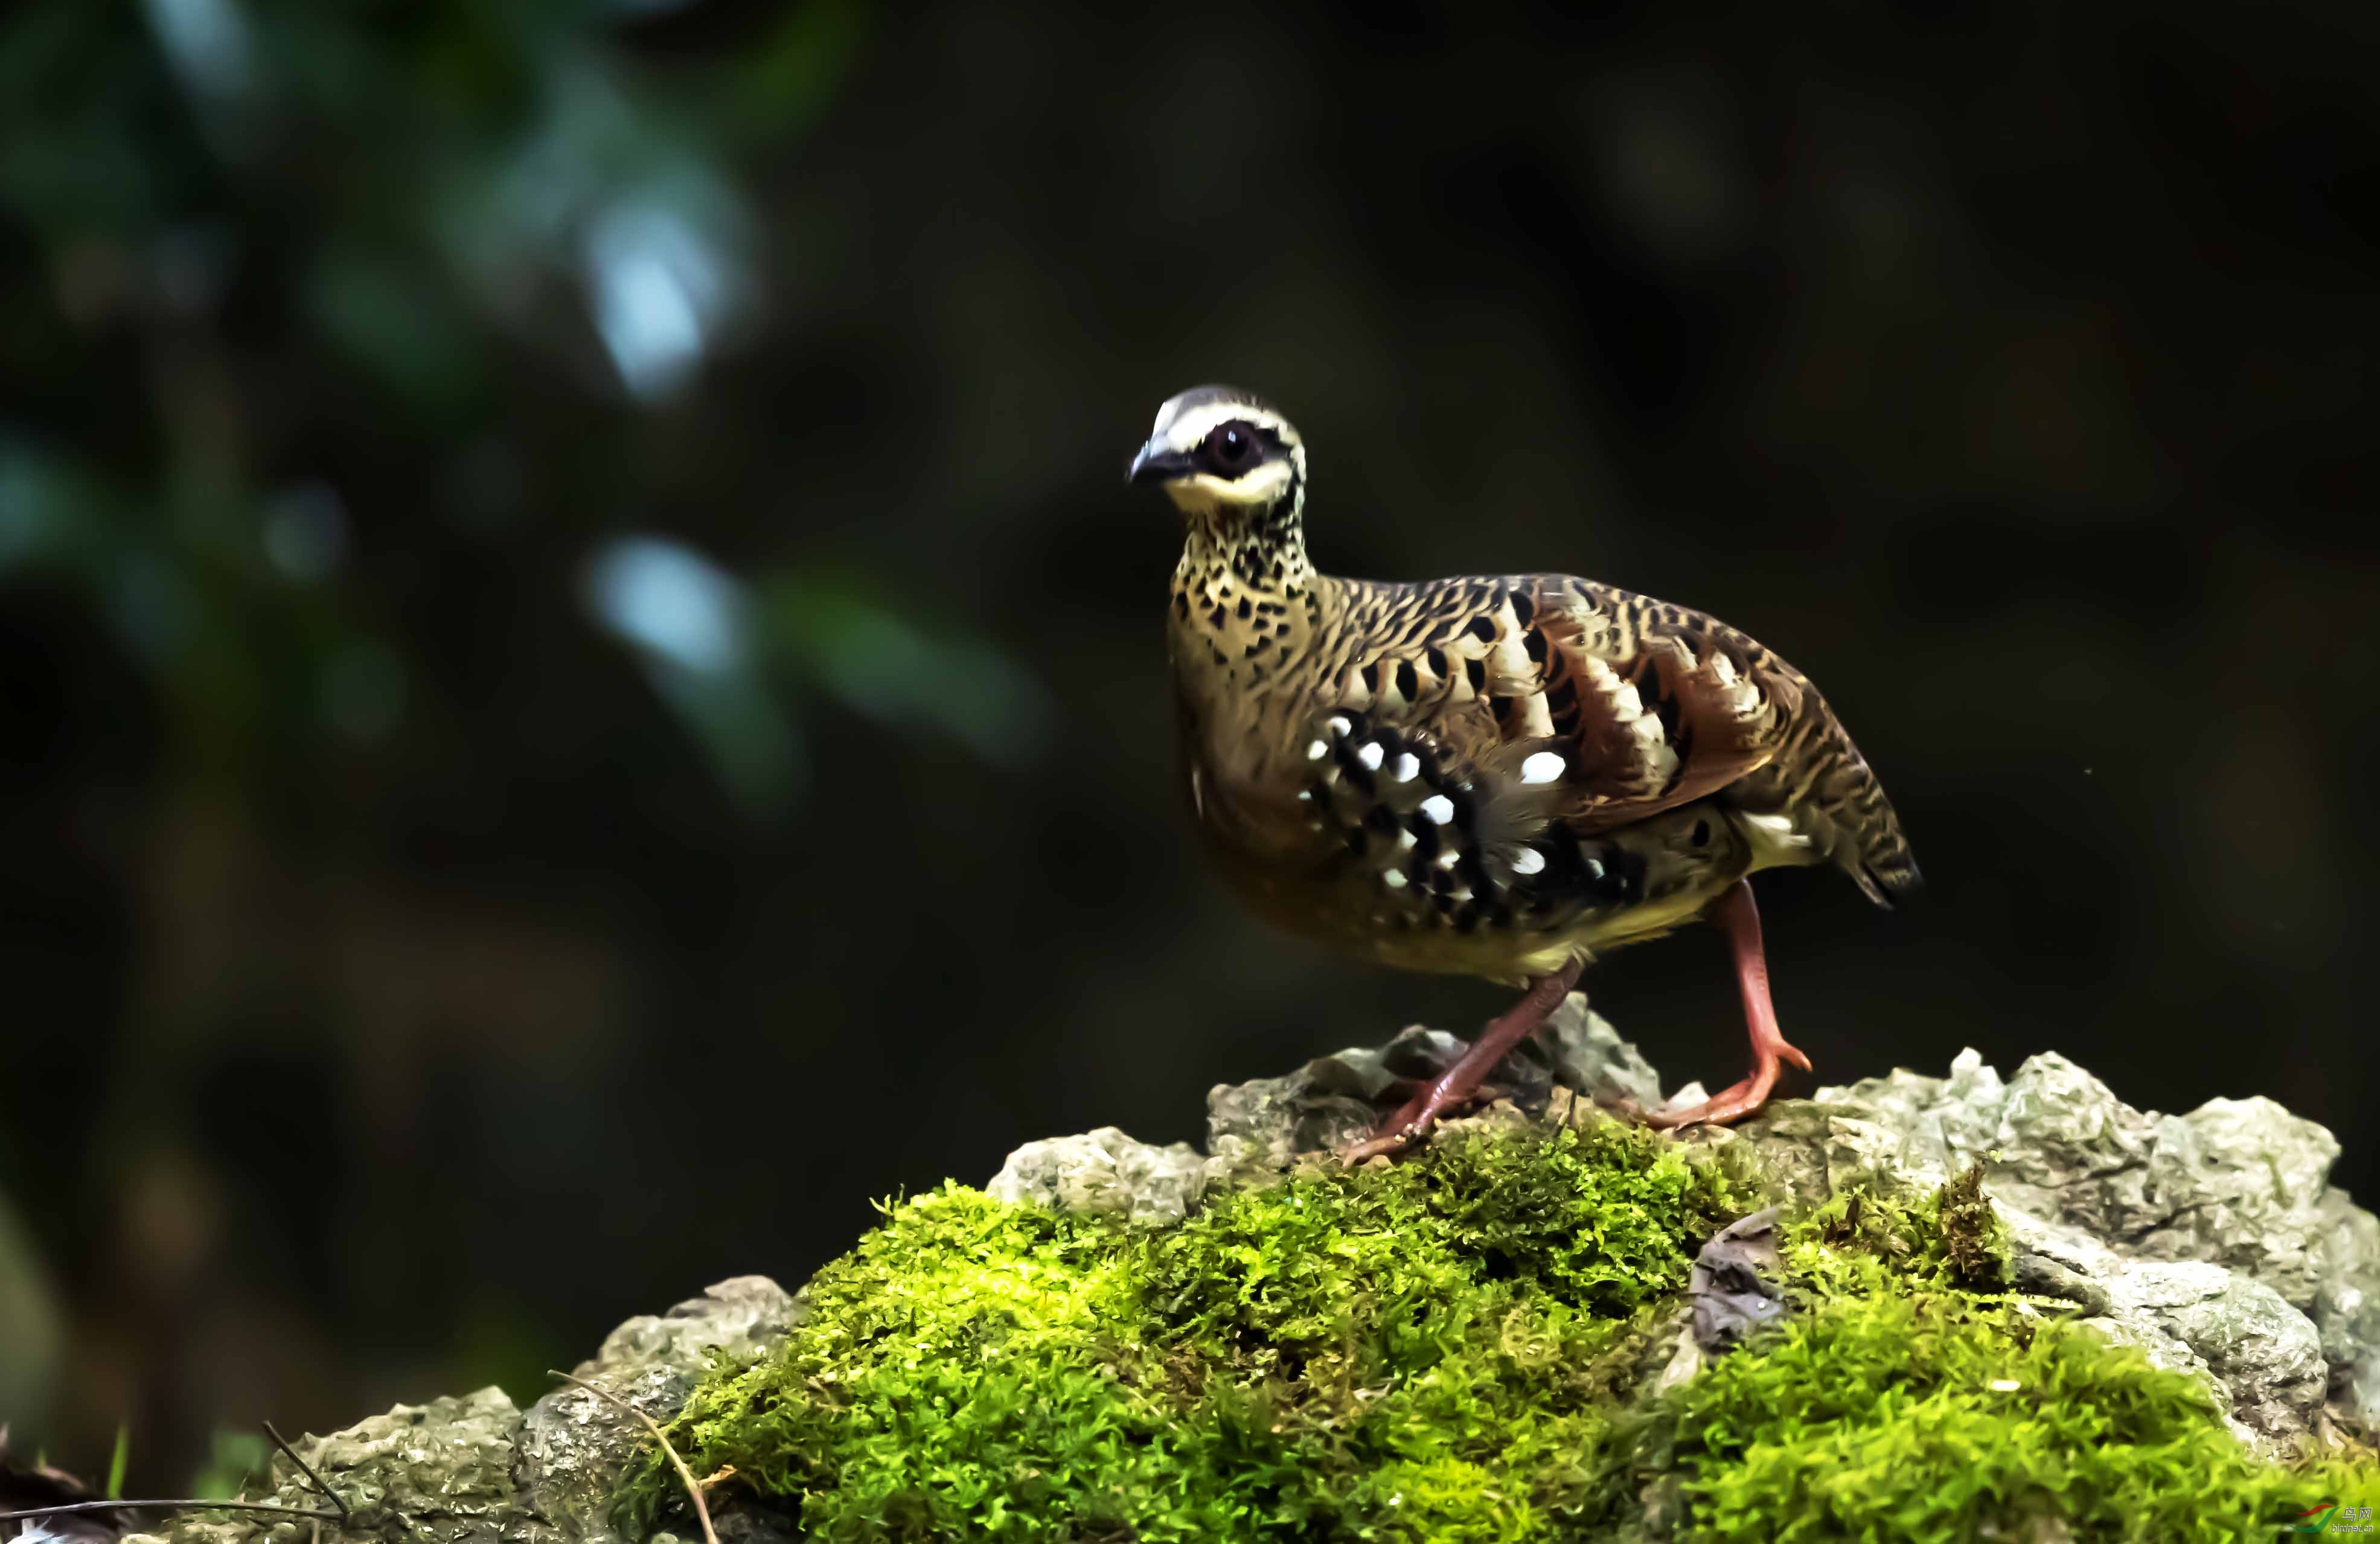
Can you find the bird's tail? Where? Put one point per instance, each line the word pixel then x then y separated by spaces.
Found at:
pixel 1870 844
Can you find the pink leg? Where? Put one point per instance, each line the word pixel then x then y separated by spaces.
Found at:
pixel 1458 1082
pixel 1739 919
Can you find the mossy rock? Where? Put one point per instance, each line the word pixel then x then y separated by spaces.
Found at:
pixel 1483 1344
pixel 1967 1309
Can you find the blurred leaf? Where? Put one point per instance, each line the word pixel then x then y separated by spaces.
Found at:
pixel 399 326
pixel 363 690
pixel 509 1344
pixel 712 649
pixel 671 602
pixel 210 44
pixel 892 671
pixel 660 286
pixel 118 1462
pixel 792 75
pixel 35 1326
pixel 442 190
pixel 690 620
pixel 49 512
pixel 74 85
pixel 754 746
pixel 232 1458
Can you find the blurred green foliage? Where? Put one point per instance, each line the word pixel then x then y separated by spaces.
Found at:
pixel 31 1350
pixel 306 299
pixel 234 1459
pixel 117 1462
pixel 433 213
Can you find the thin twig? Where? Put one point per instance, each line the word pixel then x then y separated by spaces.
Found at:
pixel 693 1490
pixel 185 1504
pixel 307 1470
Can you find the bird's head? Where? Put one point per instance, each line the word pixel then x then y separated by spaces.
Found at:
pixel 1222 453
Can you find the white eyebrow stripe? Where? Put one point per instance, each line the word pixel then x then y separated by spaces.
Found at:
pixel 1181 430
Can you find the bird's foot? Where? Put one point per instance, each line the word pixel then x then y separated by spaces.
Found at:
pixel 1460 1084
pixel 1739 920
pixel 1413 1121
pixel 1733 1104
pixel 1387 1145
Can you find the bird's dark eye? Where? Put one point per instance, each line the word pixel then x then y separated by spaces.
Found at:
pixel 1230 450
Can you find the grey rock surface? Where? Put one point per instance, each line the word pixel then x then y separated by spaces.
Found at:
pixel 440 1473
pixel 475 1469
pixel 2097 1193
pixel 1105 1172
pixel 574 1446
pixel 1584 1053
pixel 2262 1352
pixel 1733 1284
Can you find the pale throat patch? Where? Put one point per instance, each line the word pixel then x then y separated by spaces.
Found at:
pixel 1204 493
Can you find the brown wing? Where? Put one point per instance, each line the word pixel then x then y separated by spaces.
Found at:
pixel 1732 715
pixel 1663 705
pixel 1642 705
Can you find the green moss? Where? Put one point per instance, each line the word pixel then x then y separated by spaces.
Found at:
pixel 1927 1414
pixel 1420 1352
pixel 1975 1244
pixel 1455 1348
pixel 1951 1238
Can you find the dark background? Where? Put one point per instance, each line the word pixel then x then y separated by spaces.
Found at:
pixel 580 695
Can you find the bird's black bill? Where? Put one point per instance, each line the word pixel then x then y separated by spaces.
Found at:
pixel 1157 464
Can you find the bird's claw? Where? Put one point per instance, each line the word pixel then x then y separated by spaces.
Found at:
pixel 1393 1136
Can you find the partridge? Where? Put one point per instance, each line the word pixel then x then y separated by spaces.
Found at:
pixel 1500 777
